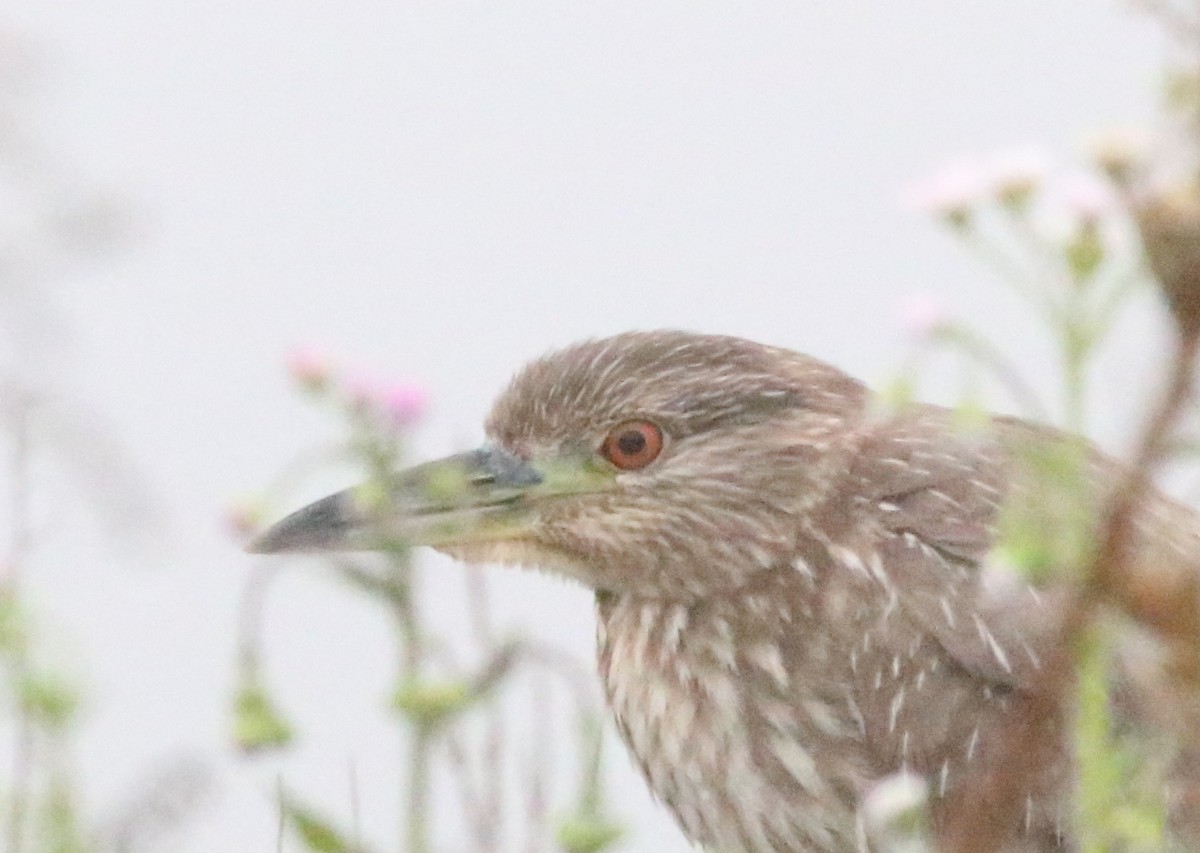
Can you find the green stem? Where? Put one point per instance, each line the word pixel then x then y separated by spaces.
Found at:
pixel 355 807
pixel 417 808
pixel 412 656
pixel 412 638
pixel 591 791
pixel 1106 306
pixel 22 770
pixel 22 766
pixel 281 818
pixel 1098 775
pixel 1077 345
pixel 1013 272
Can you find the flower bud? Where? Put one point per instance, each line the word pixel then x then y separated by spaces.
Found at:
pixel 244 518
pixel 922 316
pixel 310 368
pixel 1015 176
pixel 1087 199
pixel 404 403
pixel 1183 91
pixel 1085 252
pixel 951 195
pixel 1120 154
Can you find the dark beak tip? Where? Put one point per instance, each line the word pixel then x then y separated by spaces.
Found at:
pixel 279 538
pixel 321 526
pixel 263 543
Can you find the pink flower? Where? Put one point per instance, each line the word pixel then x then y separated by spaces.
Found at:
pixel 951 194
pixel 403 403
pixel 1086 199
pixel 310 368
pixel 244 518
pixel 921 315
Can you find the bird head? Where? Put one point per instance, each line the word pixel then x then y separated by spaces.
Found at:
pixel 663 464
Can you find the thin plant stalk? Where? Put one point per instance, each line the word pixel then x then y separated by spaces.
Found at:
pixel 23 747
pixel 282 815
pixel 355 806
pixel 416 832
pixel 1076 347
pixel 535 806
pixel 986 354
pixel 415 829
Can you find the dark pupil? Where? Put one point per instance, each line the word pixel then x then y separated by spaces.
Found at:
pixel 631 443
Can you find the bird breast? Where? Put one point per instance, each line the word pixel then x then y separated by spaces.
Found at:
pixel 750 746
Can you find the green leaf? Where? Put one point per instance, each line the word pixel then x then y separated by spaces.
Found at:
pixel 589 829
pixel 587 834
pixel 898 395
pixel 315 832
pixel 14 630
pixel 430 703
pixel 59 818
pixel 257 726
pixel 49 699
pixel 1142 828
pixel 971 417
pixel 1046 524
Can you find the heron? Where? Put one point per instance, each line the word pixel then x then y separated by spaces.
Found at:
pixel 794 590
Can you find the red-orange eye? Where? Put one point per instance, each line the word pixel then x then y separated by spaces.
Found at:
pixel 632 445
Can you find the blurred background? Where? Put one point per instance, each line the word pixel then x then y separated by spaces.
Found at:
pixel 439 192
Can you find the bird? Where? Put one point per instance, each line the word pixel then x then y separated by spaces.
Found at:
pixel 796 589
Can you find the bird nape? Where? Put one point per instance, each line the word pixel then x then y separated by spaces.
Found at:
pixel 793 588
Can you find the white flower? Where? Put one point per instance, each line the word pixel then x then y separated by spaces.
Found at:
pixel 921 314
pixel 1121 151
pixel 893 811
pixel 1085 198
pixel 1014 175
pixel 951 193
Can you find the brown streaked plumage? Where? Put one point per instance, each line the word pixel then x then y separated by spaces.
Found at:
pixel 791 598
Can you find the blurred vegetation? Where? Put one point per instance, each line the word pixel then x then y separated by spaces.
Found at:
pixel 451 715
pixel 1076 246
pixel 52 221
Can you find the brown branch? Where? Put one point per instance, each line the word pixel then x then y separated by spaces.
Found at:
pixel 1111 578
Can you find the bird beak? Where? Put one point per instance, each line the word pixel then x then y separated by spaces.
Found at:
pixel 483 495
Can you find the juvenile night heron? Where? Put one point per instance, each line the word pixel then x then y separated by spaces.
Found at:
pixel 790 586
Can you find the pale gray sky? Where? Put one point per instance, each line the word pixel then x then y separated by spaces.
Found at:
pixel 441 191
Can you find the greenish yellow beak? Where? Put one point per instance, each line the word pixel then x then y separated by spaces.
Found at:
pixel 482 495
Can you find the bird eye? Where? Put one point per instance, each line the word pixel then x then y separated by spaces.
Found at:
pixel 632 445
